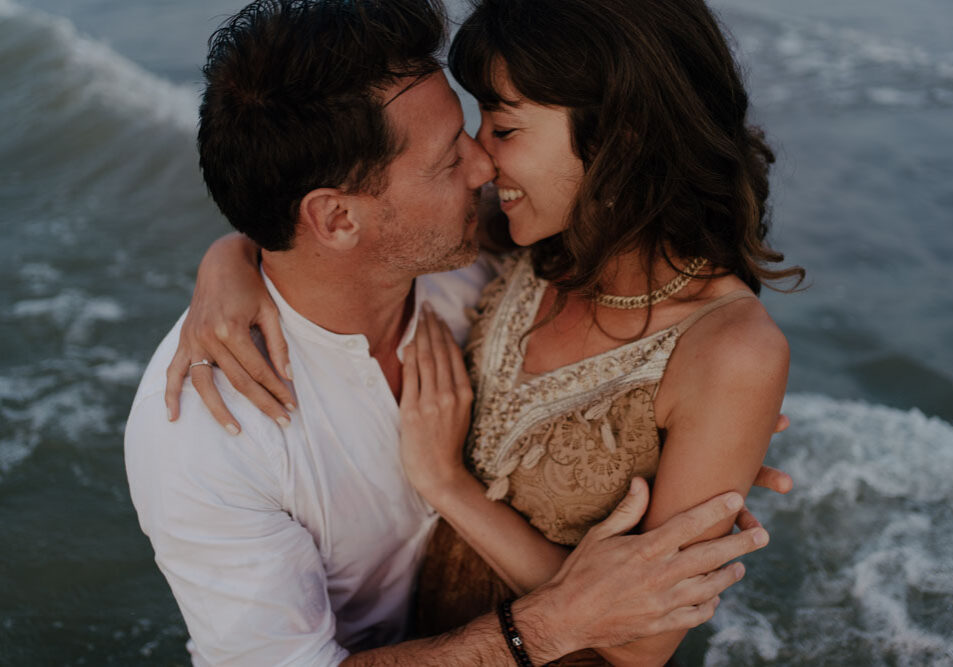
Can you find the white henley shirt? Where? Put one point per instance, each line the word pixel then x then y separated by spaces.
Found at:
pixel 289 546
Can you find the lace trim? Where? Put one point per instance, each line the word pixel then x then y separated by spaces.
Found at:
pixel 506 410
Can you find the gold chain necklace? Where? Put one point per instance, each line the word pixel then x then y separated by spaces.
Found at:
pixel 676 285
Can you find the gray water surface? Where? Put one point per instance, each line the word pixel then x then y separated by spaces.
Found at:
pixel 104 217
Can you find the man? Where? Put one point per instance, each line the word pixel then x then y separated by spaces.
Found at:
pixel 329 135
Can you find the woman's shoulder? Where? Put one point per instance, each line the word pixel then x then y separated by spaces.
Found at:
pixel 737 342
pixel 734 347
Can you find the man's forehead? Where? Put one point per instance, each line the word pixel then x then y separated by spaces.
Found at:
pixel 427 114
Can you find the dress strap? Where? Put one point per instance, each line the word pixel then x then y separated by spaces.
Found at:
pixel 731 297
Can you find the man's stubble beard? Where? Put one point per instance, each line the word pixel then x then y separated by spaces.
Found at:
pixel 417 253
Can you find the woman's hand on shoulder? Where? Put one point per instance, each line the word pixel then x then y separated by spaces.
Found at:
pixel 229 299
pixel 435 404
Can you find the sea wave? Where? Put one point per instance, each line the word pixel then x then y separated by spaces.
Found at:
pixel 48 62
pixel 75 396
pixel 82 121
pixel 859 570
pixel 76 403
pixel 98 166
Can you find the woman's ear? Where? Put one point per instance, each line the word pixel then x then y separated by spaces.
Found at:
pixel 330 217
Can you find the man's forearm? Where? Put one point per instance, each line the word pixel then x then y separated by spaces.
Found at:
pixel 480 642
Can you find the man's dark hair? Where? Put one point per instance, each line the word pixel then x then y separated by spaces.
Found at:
pixel 293 102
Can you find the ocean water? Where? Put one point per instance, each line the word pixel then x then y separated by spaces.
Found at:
pixel 104 217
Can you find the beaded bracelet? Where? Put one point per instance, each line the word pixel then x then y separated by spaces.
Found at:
pixel 512 635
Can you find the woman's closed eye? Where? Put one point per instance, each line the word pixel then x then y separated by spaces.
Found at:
pixel 502 134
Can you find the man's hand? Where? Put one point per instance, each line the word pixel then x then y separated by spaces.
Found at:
pixel 616 587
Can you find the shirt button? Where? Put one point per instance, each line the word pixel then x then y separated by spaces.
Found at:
pixel 350 344
pixel 370 381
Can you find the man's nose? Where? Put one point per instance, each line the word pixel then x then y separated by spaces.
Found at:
pixel 482 169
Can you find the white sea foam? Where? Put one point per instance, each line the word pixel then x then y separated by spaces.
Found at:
pixel 73 311
pixel 866 537
pixel 12 452
pixel 38 276
pixel 41 407
pixel 737 625
pixel 101 76
pixel 119 372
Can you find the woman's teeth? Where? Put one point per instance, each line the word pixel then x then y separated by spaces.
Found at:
pixel 507 194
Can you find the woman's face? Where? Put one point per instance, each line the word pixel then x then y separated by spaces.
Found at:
pixel 538 173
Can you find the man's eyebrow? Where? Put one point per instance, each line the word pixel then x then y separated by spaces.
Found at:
pixel 450 146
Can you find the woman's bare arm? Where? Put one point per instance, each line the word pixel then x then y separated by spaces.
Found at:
pixel 725 384
pixel 230 298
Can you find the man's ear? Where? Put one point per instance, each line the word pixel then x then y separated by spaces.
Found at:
pixel 329 216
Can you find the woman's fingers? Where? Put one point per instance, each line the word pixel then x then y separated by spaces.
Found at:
pixel 204 383
pixel 410 388
pixel 254 377
pixel 425 361
pixel 774 480
pixel 746 520
pixel 443 373
pixel 627 513
pixel 246 385
pixel 783 423
pixel 175 376
pixel 458 369
pixel 270 326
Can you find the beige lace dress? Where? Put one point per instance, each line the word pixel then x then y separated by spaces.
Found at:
pixel 560 447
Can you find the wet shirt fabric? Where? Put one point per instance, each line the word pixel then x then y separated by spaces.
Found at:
pixel 291 545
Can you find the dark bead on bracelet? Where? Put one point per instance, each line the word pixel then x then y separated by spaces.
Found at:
pixel 512 635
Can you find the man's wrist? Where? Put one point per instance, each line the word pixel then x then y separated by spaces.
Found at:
pixel 543 626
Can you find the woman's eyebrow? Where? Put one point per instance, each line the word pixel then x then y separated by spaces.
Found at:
pixel 503 106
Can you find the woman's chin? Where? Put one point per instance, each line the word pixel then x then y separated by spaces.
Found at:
pixel 524 236
pixel 523 241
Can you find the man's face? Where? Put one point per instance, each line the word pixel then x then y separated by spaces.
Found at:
pixel 426 218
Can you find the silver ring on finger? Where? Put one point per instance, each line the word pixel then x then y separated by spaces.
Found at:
pixel 204 362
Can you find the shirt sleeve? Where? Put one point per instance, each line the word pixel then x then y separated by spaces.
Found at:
pixel 248 578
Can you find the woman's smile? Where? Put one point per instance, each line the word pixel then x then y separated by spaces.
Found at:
pixel 510 197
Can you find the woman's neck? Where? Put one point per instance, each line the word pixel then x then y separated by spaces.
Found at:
pixel 633 273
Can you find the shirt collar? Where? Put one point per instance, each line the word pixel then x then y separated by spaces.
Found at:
pixel 353 344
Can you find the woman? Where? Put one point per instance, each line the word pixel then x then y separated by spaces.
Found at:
pixel 625 165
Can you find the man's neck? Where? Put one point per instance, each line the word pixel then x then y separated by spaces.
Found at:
pixel 345 299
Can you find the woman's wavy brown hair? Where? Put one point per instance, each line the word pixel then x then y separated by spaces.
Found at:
pixel 658 116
